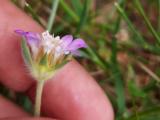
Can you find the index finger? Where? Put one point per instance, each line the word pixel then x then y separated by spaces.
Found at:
pixel 13 73
pixel 72 94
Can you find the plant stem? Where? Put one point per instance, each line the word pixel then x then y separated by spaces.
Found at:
pixel 39 89
pixel 147 21
pixel 147 70
pixel 53 14
pixel 158 16
pixel 33 13
pixel 69 11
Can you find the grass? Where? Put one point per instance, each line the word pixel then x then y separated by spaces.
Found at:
pixel 128 61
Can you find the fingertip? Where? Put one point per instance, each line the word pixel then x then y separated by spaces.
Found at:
pixel 13 73
pixel 28 118
pixel 8 109
pixel 73 95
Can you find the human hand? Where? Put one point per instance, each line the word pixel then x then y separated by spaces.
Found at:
pixel 71 95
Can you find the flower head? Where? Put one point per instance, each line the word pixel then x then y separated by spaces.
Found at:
pixel 46 52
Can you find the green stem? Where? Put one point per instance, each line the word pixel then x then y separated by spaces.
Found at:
pixel 130 25
pixel 148 23
pixel 68 10
pixel 53 13
pixel 135 108
pixel 138 37
pixel 37 107
pixel 147 70
pixel 158 16
pixel 145 114
pixel 33 13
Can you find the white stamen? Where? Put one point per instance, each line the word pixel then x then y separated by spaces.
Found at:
pixel 66 52
pixel 50 43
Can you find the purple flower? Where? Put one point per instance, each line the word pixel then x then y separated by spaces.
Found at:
pixel 71 45
pixel 64 45
pixel 31 37
pixel 33 40
pixel 47 52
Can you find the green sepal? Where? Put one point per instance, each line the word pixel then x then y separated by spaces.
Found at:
pixel 43 60
pixel 61 64
pixel 26 52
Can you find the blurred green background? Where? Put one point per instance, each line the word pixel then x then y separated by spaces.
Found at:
pixel 124 47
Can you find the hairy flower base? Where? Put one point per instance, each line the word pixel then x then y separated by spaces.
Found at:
pixel 44 53
pixel 42 72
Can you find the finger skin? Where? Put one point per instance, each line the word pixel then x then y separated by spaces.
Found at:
pixel 8 109
pixel 71 95
pixel 27 118
pixel 13 73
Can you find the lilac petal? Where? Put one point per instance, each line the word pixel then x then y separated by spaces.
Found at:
pixel 20 32
pixel 32 38
pixel 76 53
pixel 76 44
pixel 67 39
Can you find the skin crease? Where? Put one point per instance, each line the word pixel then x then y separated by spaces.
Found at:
pixel 71 95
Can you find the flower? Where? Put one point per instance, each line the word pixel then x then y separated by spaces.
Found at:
pixel 47 52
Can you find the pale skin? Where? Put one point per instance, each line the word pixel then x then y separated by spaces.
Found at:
pixel 71 95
